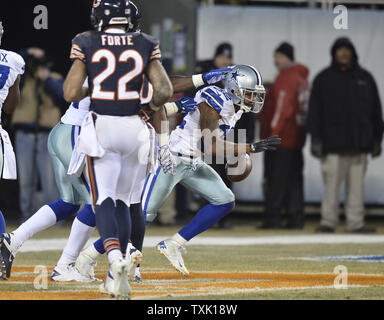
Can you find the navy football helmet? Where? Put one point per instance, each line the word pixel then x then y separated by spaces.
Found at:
pixel 111 12
pixel 135 18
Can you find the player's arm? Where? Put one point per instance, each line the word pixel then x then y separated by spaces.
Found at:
pixel 209 124
pixel 13 97
pixel 73 84
pixel 162 86
pixel 182 83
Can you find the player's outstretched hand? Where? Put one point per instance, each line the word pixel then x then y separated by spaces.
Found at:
pixel 216 75
pixel 166 160
pixel 186 105
pixel 265 144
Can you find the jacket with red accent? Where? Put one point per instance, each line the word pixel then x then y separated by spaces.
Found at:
pixel 285 108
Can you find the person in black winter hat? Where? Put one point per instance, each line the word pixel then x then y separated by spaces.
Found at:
pixel 286 49
pixel 346 124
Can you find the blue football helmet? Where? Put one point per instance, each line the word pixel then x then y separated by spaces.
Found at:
pixel 111 12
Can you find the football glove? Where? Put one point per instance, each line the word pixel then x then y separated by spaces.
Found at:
pixel 215 75
pixel 166 159
pixel 186 105
pixel 265 144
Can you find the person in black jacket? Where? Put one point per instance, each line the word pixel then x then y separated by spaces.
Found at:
pixel 346 124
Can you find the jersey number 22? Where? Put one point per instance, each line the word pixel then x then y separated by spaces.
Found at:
pixel 122 93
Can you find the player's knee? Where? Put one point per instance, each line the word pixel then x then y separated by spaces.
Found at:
pixel 227 196
pixel 63 209
pixel 87 216
pixel 149 216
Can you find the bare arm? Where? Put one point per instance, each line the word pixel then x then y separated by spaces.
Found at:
pixel 162 86
pixel 209 124
pixel 73 85
pixel 181 83
pixel 13 97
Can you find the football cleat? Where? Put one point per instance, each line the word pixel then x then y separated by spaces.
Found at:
pixel 108 285
pixel 85 265
pixel 7 254
pixel 172 251
pixel 134 258
pixel 121 288
pixel 66 273
pixel 138 278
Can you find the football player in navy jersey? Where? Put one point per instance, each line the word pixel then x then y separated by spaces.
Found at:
pixel 75 191
pixel 114 138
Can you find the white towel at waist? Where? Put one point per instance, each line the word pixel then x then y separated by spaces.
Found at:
pixel 153 161
pixel 86 145
pixel 9 164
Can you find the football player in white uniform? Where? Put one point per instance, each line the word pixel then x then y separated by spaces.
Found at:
pixel 12 67
pixel 218 111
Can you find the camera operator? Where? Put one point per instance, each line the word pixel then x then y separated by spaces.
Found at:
pixel 39 110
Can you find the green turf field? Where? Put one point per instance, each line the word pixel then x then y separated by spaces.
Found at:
pixel 270 271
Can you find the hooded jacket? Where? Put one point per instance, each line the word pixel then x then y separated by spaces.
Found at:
pixel 345 113
pixel 285 108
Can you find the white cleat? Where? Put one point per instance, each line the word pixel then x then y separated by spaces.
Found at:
pixel 85 265
pixel 172 251
pixel 138 278
pixel 65 273
pixel 134 258
pixel 121 288
pixel 108 285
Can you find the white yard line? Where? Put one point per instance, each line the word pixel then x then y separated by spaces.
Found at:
pixel 151 241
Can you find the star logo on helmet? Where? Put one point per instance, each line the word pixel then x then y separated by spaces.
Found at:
pixel 235 75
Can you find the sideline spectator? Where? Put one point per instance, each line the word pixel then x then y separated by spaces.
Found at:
pixel 284 115
pixel 37 113
pixel 345 122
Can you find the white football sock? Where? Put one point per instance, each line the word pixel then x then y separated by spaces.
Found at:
pixel 114 255
pixel 43 219
pixel 91 252
pixel 80 234
pixel 179 239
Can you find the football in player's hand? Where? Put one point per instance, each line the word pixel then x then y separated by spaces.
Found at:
pixel 239 168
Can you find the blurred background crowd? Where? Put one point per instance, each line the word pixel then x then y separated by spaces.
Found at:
pixel 324 76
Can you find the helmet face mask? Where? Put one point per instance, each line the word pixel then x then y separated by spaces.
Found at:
pixel 252 100
pixel 244 84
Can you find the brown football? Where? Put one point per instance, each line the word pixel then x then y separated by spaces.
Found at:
pixel 240 169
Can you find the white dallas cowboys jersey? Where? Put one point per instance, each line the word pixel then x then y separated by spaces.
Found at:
pixel 11 65
pixel 77 111
pixel 186 138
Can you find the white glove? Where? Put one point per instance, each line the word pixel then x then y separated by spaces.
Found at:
pixel 166 160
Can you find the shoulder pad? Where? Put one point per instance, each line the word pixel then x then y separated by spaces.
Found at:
pixel 213 96
pixel 17 61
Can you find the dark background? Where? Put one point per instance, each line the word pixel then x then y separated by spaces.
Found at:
pixel 65 21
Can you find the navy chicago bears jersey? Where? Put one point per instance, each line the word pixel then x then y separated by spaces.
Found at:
pixel 116 64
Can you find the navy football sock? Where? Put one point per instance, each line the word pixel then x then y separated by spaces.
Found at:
pixel 123 218
pixel 138 223
pixel 205 218
pixel 106 224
